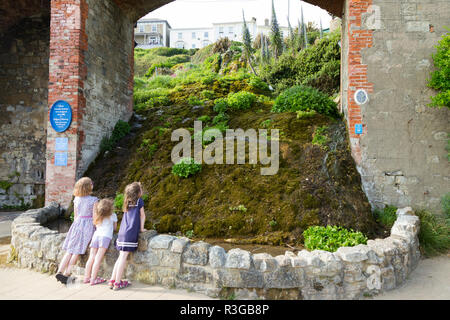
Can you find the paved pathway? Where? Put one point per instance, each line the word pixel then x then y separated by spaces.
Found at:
pixel 429 281
pixel 25 284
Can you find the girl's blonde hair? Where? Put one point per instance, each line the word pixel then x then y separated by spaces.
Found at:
pixel 83 187
pixel 103 209
pixel 132 193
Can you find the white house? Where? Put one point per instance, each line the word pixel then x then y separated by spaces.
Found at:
pixel 192 38
pixel 151 33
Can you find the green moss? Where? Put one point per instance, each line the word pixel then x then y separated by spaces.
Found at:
pixel 5 185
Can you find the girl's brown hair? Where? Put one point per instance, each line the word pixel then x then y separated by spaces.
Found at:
pixel 83 187
pixel 132 193
pixel 103 209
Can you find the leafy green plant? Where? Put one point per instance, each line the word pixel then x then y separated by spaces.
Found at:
pixel 5 185
pixel 331 238
pixel 186 167
pixel 189 234
pixel 241 100
pixel 301 98
pixel 440 78
pixel 220 105
pixel 118 201
pixel 320 136
pixel 208 94
pixel 258 85
pixel 220 118
pixel 434 234
pixel 194 101
pixel 204 118
pixel 266 123
pixel 387 216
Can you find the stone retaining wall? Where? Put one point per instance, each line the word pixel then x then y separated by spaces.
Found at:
pixel 348 273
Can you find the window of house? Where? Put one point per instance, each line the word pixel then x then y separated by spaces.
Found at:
pixel 193 35
pixel 206 34
pixel 230 30
pixel 220 30
pixel 193 46
pixel 153 27
pixel 180 35
pixel 141 28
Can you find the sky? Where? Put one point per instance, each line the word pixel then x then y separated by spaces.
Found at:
pixel 202 13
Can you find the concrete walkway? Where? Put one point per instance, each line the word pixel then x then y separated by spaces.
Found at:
pixel 6 219
pixel 24 284
pixel 429 281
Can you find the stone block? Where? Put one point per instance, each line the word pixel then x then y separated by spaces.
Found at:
pixel 264 262
pixel 239 259
pixel 179 244
pixel 352 254
pixel 217 257
pixel 197 253
pixel 162 241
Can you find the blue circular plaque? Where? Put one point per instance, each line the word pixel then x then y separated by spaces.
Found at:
pixel 60 116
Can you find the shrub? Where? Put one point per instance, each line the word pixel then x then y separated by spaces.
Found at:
pixel 118 201
pixel 258 85
pixel 204 118
pixel 208 94
pixel 434 234
pixel 220 105
pixel 186 167
pixel 331 238
pixel 220 118
pixel 440 78
pixel 320 137
pixel 317 66
pixel 194 101
pixel 387 216
pixel 241 100
pixel 300 98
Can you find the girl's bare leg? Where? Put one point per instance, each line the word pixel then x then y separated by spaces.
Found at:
pixel 72 262
pixel 121 266
pixel 89 263
pixel 98 260
pixel 64 262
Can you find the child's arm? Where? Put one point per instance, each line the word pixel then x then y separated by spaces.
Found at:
pixel 142 219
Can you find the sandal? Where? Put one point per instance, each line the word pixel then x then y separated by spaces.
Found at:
pixel 97 280
pixel 121 285
pixel 111 283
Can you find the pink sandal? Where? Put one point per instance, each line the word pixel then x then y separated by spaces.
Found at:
pixel 111 283
pixel 98 280
pixel 121 285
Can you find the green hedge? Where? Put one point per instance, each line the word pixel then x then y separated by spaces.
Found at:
pixel 301 98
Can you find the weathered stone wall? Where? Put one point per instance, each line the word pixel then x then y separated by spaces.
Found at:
pixel 401 154
pixel 24 54
pixel 109 85
pixel 348 273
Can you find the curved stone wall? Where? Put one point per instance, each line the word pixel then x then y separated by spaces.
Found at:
pixel 348 273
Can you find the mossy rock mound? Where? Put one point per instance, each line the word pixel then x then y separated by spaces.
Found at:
pixel 315 184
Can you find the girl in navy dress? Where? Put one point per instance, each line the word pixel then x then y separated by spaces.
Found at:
pixel 132 224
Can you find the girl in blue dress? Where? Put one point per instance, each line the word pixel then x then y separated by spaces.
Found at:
pixel 132 224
